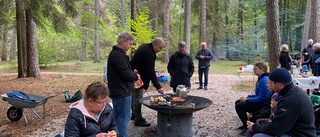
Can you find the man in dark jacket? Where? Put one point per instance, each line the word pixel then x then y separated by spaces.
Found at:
pixel 308 50
pixel 180 67
pixel 204 56
pixel 312 61
pixel 144 62
pixel 294 115
pixel 120 81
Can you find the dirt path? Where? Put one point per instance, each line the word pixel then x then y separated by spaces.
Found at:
pixel 219 119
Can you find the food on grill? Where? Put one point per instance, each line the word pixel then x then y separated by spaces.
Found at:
pixel 177 99
pixel 157 99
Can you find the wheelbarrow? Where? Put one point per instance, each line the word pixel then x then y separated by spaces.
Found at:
pixel 15 112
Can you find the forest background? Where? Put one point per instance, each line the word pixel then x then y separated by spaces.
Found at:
pixel 41 32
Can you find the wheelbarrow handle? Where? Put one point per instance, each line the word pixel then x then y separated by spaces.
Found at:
pixel 56 94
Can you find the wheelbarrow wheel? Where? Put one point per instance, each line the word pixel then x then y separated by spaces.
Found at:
pixel 14 114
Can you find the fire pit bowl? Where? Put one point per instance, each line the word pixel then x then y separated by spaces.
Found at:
pixel 175 120
pixel 200 103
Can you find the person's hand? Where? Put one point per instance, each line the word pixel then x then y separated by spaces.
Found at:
pixel 306 53
pixel 243 99
pixel 201 57
pixel 249 125
pixel 112 133
pixel 161 91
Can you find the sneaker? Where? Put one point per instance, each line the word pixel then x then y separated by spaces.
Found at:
pixel 141 123
pixel 199 88
pixel 205 88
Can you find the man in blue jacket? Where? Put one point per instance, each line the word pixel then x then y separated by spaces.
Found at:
pixel 294 115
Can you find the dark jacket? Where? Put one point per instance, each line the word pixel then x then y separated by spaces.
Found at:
pixel 181 69
pixel 207 57
pixel 261 92
pixel 308 49
pixel 285 60
pixel 143 60
pixel 120 75
pixel 312 61
pixel 81 124
pixel 294 115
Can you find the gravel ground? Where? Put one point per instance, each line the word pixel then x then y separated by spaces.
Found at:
pixel 217 120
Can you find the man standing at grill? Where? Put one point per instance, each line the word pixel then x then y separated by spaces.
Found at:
pixel 204 56
pixel 120 81
pixel 180 67
pixel 144 61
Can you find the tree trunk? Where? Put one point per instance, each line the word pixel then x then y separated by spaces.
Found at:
pixel 187 24
pixel 122 13
pixel 203 33
pixel 255 44
pixel 298 29
pixel 4 51
pixel 133 13
pixel 97 37
pixel 33 68
pixel 13 48
pixel 240 20
pixel 21 38
pixel 226 9
pixel 154 15
pixel 306 26
pixel 315 24
pixel 216 29
pixel 84 33
pixel 273 30
pixel 165 31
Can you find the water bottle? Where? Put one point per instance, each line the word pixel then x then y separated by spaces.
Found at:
pixel 295 71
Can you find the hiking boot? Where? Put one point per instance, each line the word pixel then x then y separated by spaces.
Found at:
pixel 199 88
pixel 141 123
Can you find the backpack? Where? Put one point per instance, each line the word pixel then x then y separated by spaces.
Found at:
pixel 19 96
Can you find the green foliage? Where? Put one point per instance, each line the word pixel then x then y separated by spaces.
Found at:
pixel 142 27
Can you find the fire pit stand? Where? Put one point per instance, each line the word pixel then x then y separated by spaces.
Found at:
pixel 174 125
pixel 176 121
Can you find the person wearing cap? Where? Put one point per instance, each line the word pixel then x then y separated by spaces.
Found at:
pixel 312 61
pixel 180 67
pixel 308 50
pixel 294 115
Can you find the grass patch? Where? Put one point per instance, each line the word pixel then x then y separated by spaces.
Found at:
pixel 218 67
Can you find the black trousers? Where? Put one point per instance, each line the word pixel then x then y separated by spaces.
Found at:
pixel 243 107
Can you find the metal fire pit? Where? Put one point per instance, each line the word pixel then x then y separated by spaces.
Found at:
pixel 176 121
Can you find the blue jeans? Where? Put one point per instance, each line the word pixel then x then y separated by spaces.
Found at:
pixel 204 71
pixel 121 112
